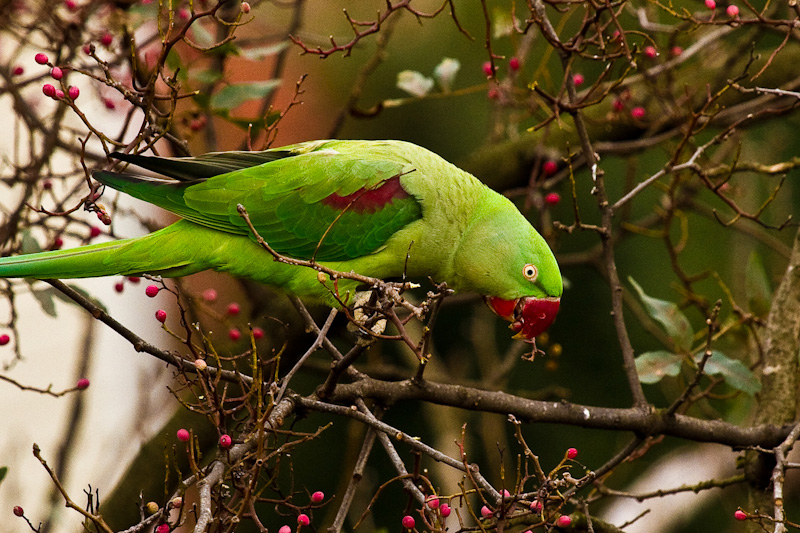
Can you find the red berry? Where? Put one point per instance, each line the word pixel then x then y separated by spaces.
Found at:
pixel 106 39
pixel 56 73
pixel 552 198
pixel 303 520
pixel 183 435
pixel 563 521
pixel 487 68
pixel 234 334
pixel 445 510
pixel 650 52
pixel 234 309
pixel 134 279
pixel 486 512
pixel 549 167
pixel 73 92
pixel 738 515
pixel 638 113
pixel 119 286
pixel 318 496
pixel 88 49
pixel 513 64
pixel 161 316
pixel 151 291
pixel 58 243
pixel 41 58
pixel 433 502
pixel 82 384
pixel 18 511
pixel 408 522
pixel 572 453
pixel 578 79
pixel 72 5
pixel 162 528
pixel 258 333
pixel 711 4
pixel 225 441
pixel 732 11
pixel 94 231
pixel 4 339
pixel 18 71
pixel 49 90
pixel 109 103
pixel 209 295
pixel 536 506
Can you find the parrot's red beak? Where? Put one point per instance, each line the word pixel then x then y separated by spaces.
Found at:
pixel 529 316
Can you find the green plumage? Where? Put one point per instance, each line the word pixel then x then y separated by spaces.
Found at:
pixel 374 207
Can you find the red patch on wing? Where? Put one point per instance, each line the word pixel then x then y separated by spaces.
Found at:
pixel 369 200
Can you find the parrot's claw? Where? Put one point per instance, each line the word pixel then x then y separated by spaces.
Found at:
pixel 365 321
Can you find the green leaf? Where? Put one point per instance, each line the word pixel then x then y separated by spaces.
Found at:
pixel 652 367
pixel 206 77
pixel 260 52
pixel 201 36
pixel 29 244
pixel 233 96
pixel 45 299
pixel 733 371
pixel 61 296
pixel 414 83
pixel 757 287
pixel 3 472
pixel 671 318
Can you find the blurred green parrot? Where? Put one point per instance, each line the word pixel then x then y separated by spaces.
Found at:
pixel 378 208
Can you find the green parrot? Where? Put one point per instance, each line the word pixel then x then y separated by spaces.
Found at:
pixel 378 208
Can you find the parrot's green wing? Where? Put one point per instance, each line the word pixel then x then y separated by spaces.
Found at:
pixel 341 205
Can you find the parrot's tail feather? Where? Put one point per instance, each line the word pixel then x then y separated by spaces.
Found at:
pixel 84 262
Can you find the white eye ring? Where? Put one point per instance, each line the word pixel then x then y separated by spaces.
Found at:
pixel 530 272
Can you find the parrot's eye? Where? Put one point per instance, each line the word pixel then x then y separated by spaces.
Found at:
pixel 530 272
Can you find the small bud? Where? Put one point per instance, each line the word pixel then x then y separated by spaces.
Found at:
pixel 433 502
pixel 56 73
pixel 209 295
pixel 73 92
pixel 49 90
pixel 563 521
pixel 303 520
pixel 445 510
pixel 151 508
pixel 161 316
pixel 487 68
pixel 638 113
pixel 733 11
pixel 151 291
pixel 4 339
pixel 552 198
pixel 225 441
pixel 738 514
pixel 162 528
pixel 234 334
pixel 318 496
pixel 82 384
pixel 549 167
pixel 18 71
pixel 711 4
pixel 41 58
pixel 513 64
pixel 200 364
pixel 18 511
pixel 578 79
pixel 59 94
pixel 119 286
pixel 650 52
pixel 183 435
pixel 572 453
pixel 258 333
pixel 234 309
pixel 245 8
pixel 322 277
pixel 486 512
pixel 176 502
pixel 408 522
pixel 285 529
pixel 106 39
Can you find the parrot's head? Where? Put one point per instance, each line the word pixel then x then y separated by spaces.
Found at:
pixel 503 258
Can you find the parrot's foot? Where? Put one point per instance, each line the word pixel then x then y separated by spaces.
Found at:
pixel 367 322
pixel 534 350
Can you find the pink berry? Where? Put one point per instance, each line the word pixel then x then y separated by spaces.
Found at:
pixel 487 68
pixel 513 64
pixel 56 73
pixel 183 14
pixel 18 71
pixel 506 494
pixel 161 316
pixel 82 384
pixel 4 339
pixel 109 103
pixel 225 441
pixel 493 94
pixel 151 291
pixel 183 435
pixel 408 522
pixel 134 279
pixel 563 521
pixel 41 58
pixel 119 286
pixel 49 90
pixel 486 512
pixel 258 333
pixel 650 52
pixel 245 8
pixel 209 295
pixel 549 167
pixel 572 453
pixel 433 502
pixel 88 49
pixel 18 511
pixel 536 506
pixel 285 529
pixel 73 92
pixel 578 79
pixel 72 5
pixel 234 309
pixel 732 11
pixel 303 520
pixel 106 39
pixel 445 510
pixel 738 515
pixel 234 334
pixel 59 94
pixel 552 198
pixel 711 4
pixel 638 113
pixel 318 496
pixel 618 105
pixel 162 528
pixel 94 231
pixel 676 51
